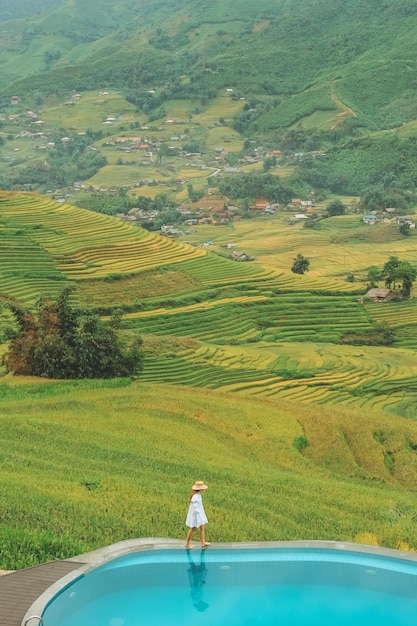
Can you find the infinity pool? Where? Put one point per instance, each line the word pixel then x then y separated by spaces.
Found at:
pixel 236 587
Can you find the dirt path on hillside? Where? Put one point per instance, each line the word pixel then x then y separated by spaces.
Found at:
pixel 344 112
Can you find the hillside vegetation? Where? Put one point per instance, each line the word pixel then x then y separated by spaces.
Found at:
pixel 305 78
pixel 136 448
pixel 363 51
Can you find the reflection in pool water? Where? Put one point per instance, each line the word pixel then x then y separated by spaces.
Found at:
pixel 239 587
pixel 197 573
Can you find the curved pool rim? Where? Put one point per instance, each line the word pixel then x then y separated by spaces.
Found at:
pixel 99 557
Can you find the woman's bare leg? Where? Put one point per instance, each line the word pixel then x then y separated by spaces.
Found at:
pixel 189 536
pixel 202 537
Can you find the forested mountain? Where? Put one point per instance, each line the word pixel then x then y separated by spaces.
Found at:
pixel 304 55
pixel 23 8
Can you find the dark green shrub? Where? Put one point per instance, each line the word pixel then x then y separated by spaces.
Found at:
pixel 301 443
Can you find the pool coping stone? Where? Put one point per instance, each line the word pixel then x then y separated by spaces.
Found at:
pixel 95 558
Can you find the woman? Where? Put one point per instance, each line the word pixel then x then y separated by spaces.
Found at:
pixel 196 516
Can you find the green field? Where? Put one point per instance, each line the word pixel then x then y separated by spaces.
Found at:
pixel 242 364
pixel 136 448
pixel 90 111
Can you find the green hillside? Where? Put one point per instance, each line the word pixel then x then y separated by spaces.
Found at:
pixel 330 87
pixel 135 447
pixel 361 52
pixel 23 8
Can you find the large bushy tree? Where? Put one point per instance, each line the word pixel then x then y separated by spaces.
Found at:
pixel 301 264
pixel 399 274
pixel 254 185
pixel 336 208
pixel 59 341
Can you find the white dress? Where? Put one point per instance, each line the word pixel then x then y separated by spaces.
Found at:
pixel 196 515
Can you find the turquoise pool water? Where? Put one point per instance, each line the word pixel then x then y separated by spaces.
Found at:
pixel 256 587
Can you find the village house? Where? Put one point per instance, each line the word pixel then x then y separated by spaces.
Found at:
pixel 260 205
pixel 369 219
pixel 249 159
pixel 406 219
pixel 128 139
pixel 213 191
pixel 241 256
pixel 377 294
pixel 129 218
pixel 171 231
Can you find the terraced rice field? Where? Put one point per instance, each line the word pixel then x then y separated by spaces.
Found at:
pixel 76 244
pixel 286 317
pixel 245 328
pixel 342 245
pixel 305 373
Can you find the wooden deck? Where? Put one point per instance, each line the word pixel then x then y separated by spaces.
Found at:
pixel 18 590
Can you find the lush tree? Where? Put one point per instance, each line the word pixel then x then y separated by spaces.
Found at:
pixel 58 341
pixel 254 185
pixel 405 229
pixel 269 162
pixel 407 276
pixel 193 194
pixel 390 272
pixel 399 274
pixel 301 264
pixel 336 208
pixel 373 275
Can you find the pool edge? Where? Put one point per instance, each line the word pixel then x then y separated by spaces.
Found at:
pixel 100 556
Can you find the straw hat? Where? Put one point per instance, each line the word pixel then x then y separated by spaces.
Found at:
pixel 199 485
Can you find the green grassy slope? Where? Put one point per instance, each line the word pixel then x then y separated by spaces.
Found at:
pixel 355 480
